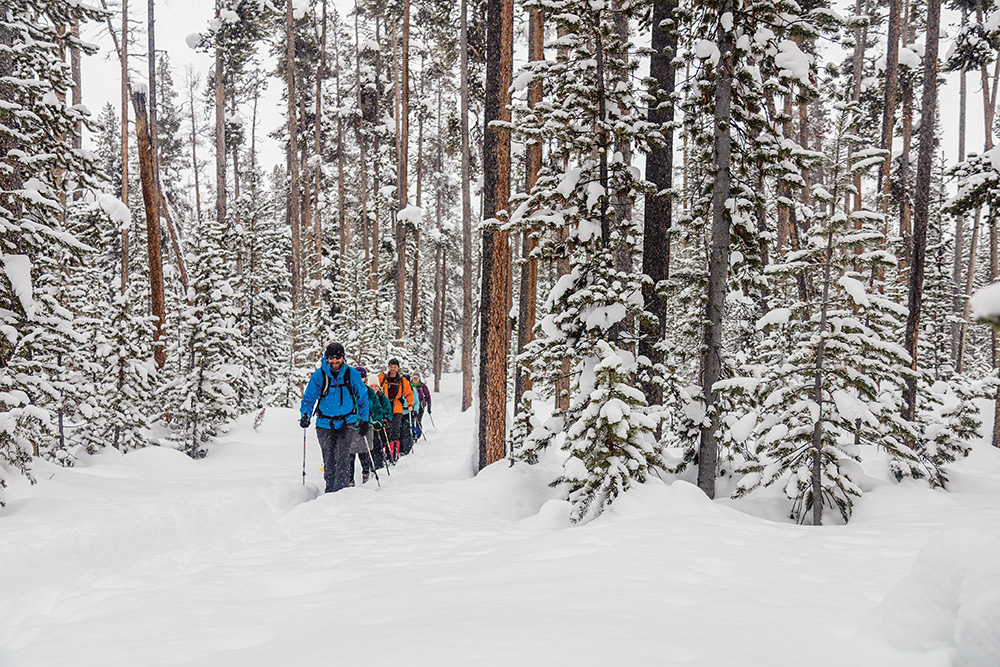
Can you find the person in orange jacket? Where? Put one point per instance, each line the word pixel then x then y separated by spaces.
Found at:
pixel 400 394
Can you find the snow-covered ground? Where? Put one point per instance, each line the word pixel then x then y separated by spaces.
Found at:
pixel 155 559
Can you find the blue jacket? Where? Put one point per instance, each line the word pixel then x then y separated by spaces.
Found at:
pixel 343 396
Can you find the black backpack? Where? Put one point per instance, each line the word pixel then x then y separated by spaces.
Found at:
pixel 328 383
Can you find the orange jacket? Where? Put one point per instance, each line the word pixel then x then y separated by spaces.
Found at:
pixel 396 390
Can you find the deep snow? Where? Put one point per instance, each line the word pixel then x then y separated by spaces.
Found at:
pixel 154 559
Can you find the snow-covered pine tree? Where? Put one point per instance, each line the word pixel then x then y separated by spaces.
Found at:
pixel 767 172
pixel 264 290
pixel 590 110
pixel 205 396
pixel 39 172
pixel 836 368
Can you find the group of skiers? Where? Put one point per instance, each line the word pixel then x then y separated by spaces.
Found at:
pixel 376 418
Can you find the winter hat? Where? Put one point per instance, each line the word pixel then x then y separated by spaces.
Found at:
pixel 392 362
pixel 374 384
pixel 334 350
pixel 362 370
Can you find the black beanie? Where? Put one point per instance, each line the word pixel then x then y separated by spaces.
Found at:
pixel 334 350
pixel 393 362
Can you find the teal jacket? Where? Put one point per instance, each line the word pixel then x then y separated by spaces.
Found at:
pixel 378 406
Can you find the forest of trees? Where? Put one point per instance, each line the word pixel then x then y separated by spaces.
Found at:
pixel 712 239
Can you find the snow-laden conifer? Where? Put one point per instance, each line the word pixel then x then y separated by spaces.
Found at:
pixel 836 366
pixel 215 360
pixel 39 172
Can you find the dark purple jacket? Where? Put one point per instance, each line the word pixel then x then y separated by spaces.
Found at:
pixel 424 395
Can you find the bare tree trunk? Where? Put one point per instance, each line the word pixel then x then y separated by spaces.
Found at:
pixel 925 163
pixel 529 266
pixel 317 222
pixel 889 103
pixel 151 197
pixel 437 335
pixel 359 136
pixel 496 254
pixel 192 83
pixel 467 276
pixel 402 159
pixel 293 164
pixel 312 243
pixel 220 132
pixel 154 142
pixel 718 262
pixel 125 105
pixel 658 212
pixel 956 270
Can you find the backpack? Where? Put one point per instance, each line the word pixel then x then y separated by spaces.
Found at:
pixel 328 383
pixel 394 390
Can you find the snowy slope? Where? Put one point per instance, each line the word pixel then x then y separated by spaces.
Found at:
pixel 155 559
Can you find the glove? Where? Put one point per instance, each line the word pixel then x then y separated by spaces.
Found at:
pixel 304 422
pixel 428 409
pixel 363 429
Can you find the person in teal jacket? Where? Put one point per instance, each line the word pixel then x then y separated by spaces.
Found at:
pixel 339 399
pixel 378 410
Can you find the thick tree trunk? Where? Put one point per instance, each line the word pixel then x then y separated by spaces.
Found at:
pixel 718 261
pixel 529 267
pixel 151 197
pixel 496 253
pixel 154 142
pixel 293 164
pixel 467 276
pixel 312 243
pixel 925 163
pixel 658 212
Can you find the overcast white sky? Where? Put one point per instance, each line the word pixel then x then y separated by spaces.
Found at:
pixel 176 19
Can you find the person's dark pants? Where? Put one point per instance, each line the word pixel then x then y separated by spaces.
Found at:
pixel 406 436
pixel 336 447
pixel 420 417
pixel 377 447
pixel 393 429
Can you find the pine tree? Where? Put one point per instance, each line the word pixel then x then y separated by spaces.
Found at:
pixel 836 364
pixel 205 396
pixel 39 172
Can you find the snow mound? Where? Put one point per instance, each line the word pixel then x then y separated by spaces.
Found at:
pixel 950 598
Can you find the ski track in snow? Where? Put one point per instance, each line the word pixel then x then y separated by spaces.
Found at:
pixel 155 559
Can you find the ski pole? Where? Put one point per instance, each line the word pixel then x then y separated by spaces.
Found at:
pixel 386 457
pixel 432 421
pixel 374 472
pixel 304 457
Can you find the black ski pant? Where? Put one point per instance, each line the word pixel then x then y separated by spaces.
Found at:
pixel 406 435
pixel 336 447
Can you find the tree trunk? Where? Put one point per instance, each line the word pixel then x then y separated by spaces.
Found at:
pixel 496 254
pixel 151 197
pixel 220 132
pixel 925 163
pixel 125 94
pixel 658 213
pixel 293 164
pixel 192 84
pixel 154 142
pixel 402 164
pixel 718 262
pixel 529 241
pixel 318 150
pixel 889 103
pixel 359 136
pixel 467 276
pixel 956 269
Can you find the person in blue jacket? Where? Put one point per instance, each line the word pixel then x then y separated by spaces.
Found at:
pixel 339 398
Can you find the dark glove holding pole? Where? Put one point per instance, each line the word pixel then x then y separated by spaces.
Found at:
pixel 363 429
pixel 304 422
